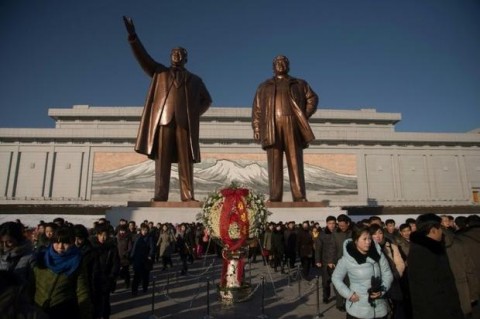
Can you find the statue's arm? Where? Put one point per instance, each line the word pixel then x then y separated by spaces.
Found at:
pixel 256 116
pixel 312 101
pixel 205 98
pixel 148 64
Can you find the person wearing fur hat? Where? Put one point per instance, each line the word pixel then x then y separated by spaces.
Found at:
pixel 432 286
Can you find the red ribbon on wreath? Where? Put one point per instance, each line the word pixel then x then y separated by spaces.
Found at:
pixel 234 210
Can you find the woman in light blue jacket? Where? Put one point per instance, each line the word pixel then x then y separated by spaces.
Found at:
pixel 369 277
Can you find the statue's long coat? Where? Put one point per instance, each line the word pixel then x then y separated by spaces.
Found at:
pixel 197 96
pixel 304 101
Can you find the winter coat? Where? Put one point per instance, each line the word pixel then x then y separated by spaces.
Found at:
pixel 392 251
pixel 432 285
pixel 471 243
pixel 397 266
pixel 317 249
pixel 290 236
pixel 404 247
pixel 267 240
pixel 67 294
pixel 106 266
pixel 360 270
pixel 18 261
pixel 339 238
pixel 182 245
pixel 462 269
pixel 88 260
pixel 164 243
pixel 328 247
pixel 278 248
pixel 15 302
pixel 17 264
pixel 304 243
pixel 143 247
pixel 124 246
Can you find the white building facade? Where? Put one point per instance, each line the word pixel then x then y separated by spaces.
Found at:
pixel 357 159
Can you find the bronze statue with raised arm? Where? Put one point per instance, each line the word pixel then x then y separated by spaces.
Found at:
pixel 280 113
pixel 169 126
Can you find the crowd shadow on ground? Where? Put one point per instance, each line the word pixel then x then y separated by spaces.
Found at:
pixel 282 295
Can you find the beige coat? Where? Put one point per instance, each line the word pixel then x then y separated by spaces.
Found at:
pixel 392 252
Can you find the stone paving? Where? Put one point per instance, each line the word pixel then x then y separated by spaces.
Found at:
pixel 285 295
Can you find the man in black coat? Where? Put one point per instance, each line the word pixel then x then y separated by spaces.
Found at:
pixel 432 285
pixel 106 266
pixel 328 259
pixel 305 248
pixel 343 232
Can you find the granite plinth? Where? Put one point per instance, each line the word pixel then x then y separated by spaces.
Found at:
pixel 189 204
pixel 198 204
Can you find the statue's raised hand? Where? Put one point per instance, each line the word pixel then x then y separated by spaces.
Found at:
pixel 129 25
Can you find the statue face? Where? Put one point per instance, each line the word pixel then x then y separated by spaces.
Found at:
pixel 281 66
pixel 178 57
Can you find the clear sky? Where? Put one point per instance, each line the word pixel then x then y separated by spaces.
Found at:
pixel 417 58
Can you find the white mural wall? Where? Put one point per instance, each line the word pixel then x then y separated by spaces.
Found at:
pixel 122 176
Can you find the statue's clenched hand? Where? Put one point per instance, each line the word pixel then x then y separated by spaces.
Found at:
pixel 129 25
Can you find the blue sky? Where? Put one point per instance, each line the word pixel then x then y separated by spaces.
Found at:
pixel 417 58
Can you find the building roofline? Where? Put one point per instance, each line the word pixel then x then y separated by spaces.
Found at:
pixel 86 112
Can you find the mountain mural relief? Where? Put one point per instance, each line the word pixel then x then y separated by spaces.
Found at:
pixel 135 181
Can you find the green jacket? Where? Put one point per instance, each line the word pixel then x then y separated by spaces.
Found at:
pixel 63 289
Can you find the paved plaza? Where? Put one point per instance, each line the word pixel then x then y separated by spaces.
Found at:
pixel 285 295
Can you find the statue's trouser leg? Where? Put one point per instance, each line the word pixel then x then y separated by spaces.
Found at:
pixel 287 135
pixel 185 164
pixel 275 173
pixel 163 161
pixel 294 157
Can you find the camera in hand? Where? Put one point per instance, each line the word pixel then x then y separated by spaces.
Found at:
pixel 376 286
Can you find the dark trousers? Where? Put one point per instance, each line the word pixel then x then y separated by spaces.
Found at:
pixel 142 276
pixel 278 260
pixel 173 139
pixel 101 305
pixel 252 253
pixel 290 258
pixel 67 309
pixel 125 274
pixel 167 261
pixel 326 281
pixel 184 259
pixel 306 265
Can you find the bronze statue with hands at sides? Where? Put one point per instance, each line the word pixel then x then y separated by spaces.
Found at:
pixel 169 126
pixel 280 113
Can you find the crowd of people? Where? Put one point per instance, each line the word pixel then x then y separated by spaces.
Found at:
pixel 60 270
pixel 427 267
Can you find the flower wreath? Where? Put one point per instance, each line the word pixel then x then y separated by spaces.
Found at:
pixel 233 215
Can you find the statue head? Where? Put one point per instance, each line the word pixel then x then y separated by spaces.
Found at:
pixel 281 65
pixel 179 56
